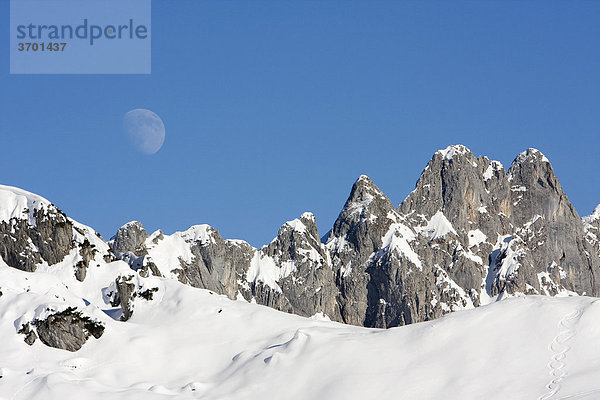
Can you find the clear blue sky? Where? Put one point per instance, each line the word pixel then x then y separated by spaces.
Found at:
pixel 275 108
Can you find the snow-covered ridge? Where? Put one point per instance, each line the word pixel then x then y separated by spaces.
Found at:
pixel 449 152
pixel 168 252
pixel 19 203
pixel 82 232
pixel 202 233
pixel 130 224
pixel 271 270
pixel 530 154
pixel 231 348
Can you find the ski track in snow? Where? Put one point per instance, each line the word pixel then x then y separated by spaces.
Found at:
pixel 559 347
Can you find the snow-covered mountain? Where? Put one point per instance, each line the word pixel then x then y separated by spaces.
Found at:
pixel 469 234
pixel 156 315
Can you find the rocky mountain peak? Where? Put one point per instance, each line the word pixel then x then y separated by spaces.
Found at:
pixel 363 192
pixel 535 189
pixel 452 151
pixel 129 237
pixel 530 155
pixel 466 189
pixel 365 212
pixel 305 225
pixel 532 165
pixel 365 200
pixel 308 217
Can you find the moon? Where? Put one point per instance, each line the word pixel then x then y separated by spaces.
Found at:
pixel 145 130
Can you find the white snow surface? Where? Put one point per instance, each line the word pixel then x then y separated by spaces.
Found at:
pixel 189 343
pixel 397 239
pixel 513 252
pixel 438 226
pixel 476 237
pixel 16 201
pixel 264 269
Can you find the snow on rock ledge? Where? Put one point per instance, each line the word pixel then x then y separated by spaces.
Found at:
pixel 438 227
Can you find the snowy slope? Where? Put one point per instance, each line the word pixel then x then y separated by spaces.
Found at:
pixel 191 343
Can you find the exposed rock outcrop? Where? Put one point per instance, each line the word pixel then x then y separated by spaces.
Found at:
pixel 30 336
pixel 125 290
pixel 67 330
pixel 129 238
pixel 24 245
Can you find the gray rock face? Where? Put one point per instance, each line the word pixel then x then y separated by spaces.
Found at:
pixel 309 288
pixel 30 336
pixel 129 238
pixel 214 264
pixel 87 252
pixel 125 291
pixel 458 208
pixel 23 246
pixel 468 234
pixel 128 244
pixel 66 330
pixel 388 264
pixel 548 231
pixel 517 230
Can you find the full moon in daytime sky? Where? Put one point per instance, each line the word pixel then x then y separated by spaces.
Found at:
pixel 145 130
